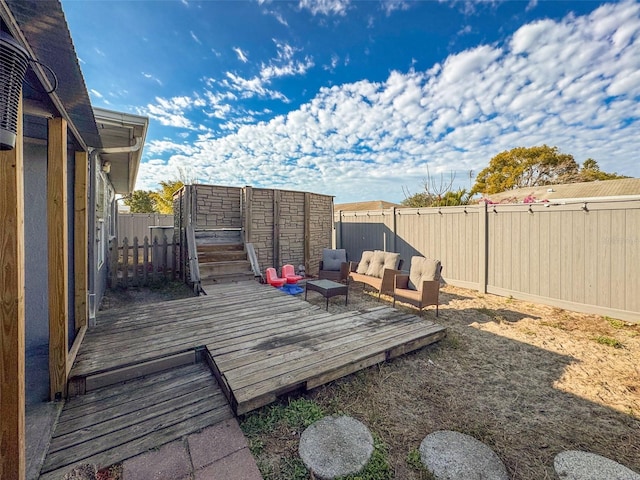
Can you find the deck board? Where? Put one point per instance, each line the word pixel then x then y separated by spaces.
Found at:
pixel 260 342
pixel 114 423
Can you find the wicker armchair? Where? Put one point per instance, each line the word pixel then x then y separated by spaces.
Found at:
pixel 422 286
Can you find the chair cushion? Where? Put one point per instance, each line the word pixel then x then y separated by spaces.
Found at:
pixel 380 261
pixel 333 259
pixel 391 260
pixel 376 265
pixel 423 269
pixel 363 265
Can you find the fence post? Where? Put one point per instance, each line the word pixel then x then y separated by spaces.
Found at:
pixel 114 249
pixel 248 214
pixel 307 231
pixel 394 233
pixel 165 261
pixel 125 262
pixel 276 228
pixel 155 257
pixel 483 243
pixel 136 275
pixel 145 261
pixel 338 230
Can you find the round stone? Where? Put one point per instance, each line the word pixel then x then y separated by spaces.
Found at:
pixel 335 447
pixel 455 456
pixel 577 465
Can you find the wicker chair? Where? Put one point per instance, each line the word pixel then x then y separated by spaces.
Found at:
pixel 422 286
pixel 333 265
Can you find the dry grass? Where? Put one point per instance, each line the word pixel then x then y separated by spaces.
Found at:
pixel 528 380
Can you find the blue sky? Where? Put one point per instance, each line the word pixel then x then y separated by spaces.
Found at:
pixel 358 99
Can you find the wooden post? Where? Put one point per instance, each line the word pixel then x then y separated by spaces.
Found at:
pixel 136 273
pixel 12 316
pixel 81 240
pixel 145 261
pixel 57 222
pixel 125 263
pixel 307 232
pixel 248 214
pixel 276 228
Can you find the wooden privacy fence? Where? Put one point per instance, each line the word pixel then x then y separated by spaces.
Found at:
pixel 580 255
pixel 141 264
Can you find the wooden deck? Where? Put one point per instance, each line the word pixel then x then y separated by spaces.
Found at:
pixel 144 376
pixel 117 422
pixel 260 342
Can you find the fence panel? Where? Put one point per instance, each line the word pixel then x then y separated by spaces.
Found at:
pixel 133 265
pixel 578 255
pixel 132 225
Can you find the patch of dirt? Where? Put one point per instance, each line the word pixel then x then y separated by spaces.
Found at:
pixel 165 291
pixel 528 380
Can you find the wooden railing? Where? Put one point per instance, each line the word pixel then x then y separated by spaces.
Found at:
pixel 135 264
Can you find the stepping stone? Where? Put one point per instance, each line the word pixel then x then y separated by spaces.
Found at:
pixel 335 447
pixel 577 465
pixel 455 456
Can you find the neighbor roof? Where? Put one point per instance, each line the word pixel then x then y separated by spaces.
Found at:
pixel 370 205
pixel 599 188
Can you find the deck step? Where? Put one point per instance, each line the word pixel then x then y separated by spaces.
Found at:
pixel 221 256
pixel 213 269
pixel 120 421
pixel 80 385
pixel 220 247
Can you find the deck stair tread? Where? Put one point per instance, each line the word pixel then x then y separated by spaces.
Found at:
pixel 117 422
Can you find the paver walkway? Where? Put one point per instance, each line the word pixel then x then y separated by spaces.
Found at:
pixel 219 452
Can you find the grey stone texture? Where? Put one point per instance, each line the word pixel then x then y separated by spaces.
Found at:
pixel 169 462
pixel 578 465
pixel 455 456
pixel 239 465
pixel 219 452
pixel 215 442
pixel 335 447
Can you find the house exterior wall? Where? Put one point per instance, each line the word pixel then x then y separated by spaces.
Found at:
pixel 35 237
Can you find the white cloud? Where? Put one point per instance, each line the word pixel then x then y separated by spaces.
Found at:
pixel 389 6
pixel 195 38
pixel 572 83
pixel 172 112
pixel 278 16
pixel 151 77
pixel 325 7
pixel 96 93
pixel 251 87
pixel 242 55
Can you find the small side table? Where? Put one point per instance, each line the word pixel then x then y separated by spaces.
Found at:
pixel 327 289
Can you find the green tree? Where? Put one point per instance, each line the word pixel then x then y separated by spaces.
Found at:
pixel 590 172
pixel 526 167
pixel 163 198
pixel 140 201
